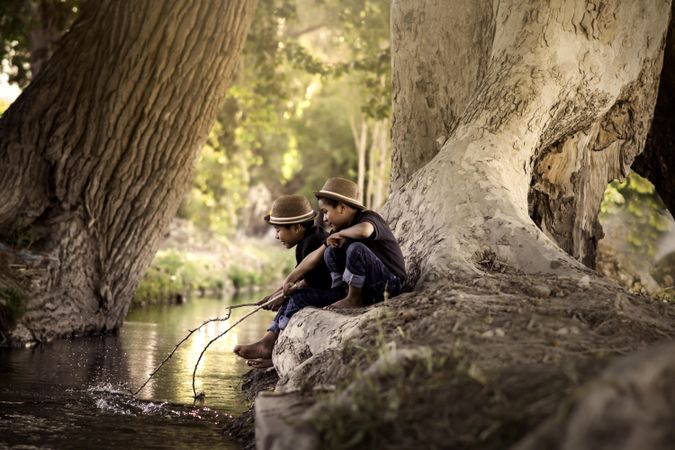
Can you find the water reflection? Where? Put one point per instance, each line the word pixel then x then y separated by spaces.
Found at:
pixel 219 370
pixel 74 393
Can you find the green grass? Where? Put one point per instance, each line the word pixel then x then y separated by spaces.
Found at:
pixel 176 272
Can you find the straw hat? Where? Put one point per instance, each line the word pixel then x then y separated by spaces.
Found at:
pixel 342 190
pixel 290 209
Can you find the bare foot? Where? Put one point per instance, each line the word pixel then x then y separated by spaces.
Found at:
pixel 259 363
pixel 347 302
pixel 258 350
pixel 352 300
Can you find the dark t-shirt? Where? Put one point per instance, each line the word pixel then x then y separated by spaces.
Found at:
pixel 383 243
pixel 319 277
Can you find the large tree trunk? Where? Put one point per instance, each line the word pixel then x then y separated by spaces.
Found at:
pixel 97 152
pixel 505 321
pixel 563 107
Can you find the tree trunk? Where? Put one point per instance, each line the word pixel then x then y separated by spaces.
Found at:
pixel 43 34
pixel 372 158
pixel 657 162
pixel 360 135
pixel 381 145
pixel 504 323
pixel 440 55
pixel 564 106
pixel 97 152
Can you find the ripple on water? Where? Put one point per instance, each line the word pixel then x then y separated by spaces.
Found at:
pixel 115 399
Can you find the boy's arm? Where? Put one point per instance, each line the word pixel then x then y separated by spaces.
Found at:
pixel 362 230
pixel 311 261
pixel 273 294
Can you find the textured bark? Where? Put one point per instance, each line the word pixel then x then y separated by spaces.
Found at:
pixel 657 162
pixel 440 55
pixel 98 150
pixel 568 85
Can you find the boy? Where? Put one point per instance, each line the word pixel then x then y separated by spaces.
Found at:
pixel 361 250
pixel 293 219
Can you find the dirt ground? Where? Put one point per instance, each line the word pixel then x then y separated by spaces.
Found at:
pixel 475 363
pixel 242 428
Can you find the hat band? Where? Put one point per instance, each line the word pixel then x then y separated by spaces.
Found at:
pixel 296 219
pixel 340 196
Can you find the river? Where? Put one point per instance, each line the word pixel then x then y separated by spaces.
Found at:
pixel 74 393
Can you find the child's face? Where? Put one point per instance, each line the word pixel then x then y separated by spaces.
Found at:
pixel 336 216
pixel 289 236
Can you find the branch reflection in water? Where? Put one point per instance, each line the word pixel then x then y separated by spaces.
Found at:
pixel 219 370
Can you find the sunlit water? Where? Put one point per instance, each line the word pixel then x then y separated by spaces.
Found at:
pixel 74 393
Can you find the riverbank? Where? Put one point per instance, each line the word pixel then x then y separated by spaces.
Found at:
pixel 241 428
pixel 472 362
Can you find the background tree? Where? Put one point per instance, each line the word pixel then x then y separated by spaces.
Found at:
pixel 112 141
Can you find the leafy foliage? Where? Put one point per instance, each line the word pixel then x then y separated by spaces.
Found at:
pixel 285 121
pixel 647 216
pixel 20 18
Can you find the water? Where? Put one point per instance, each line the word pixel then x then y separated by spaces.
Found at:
pixel 74 393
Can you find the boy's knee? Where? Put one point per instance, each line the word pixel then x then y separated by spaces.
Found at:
pixel 329 255
pixel 355 247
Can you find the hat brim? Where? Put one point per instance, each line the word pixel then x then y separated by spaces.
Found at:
pixel 340 198
pixel 290 220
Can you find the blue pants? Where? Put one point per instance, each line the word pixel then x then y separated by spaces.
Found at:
pixel 305 297
pixel 356 265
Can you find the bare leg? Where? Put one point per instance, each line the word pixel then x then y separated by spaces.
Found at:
pixel 352 300
pixel 258 350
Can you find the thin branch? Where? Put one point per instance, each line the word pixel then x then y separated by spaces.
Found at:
pixel 194 372
pixel 191 332
pixel 297 33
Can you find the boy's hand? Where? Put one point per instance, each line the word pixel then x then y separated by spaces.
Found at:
pixel 276 304
pixel 289 284
pixel 336 240
pixel 264 300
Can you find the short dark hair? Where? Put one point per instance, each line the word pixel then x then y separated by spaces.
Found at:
pixel 331 201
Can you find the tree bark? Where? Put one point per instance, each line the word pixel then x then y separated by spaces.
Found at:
pixel 563 107
pixel 97 152
pixel 440 55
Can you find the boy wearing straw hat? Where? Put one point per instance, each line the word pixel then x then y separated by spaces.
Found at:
pixel 361 252
pixel 293 219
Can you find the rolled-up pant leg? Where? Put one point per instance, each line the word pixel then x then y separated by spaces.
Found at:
pixel 363 269
pixel 335 261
